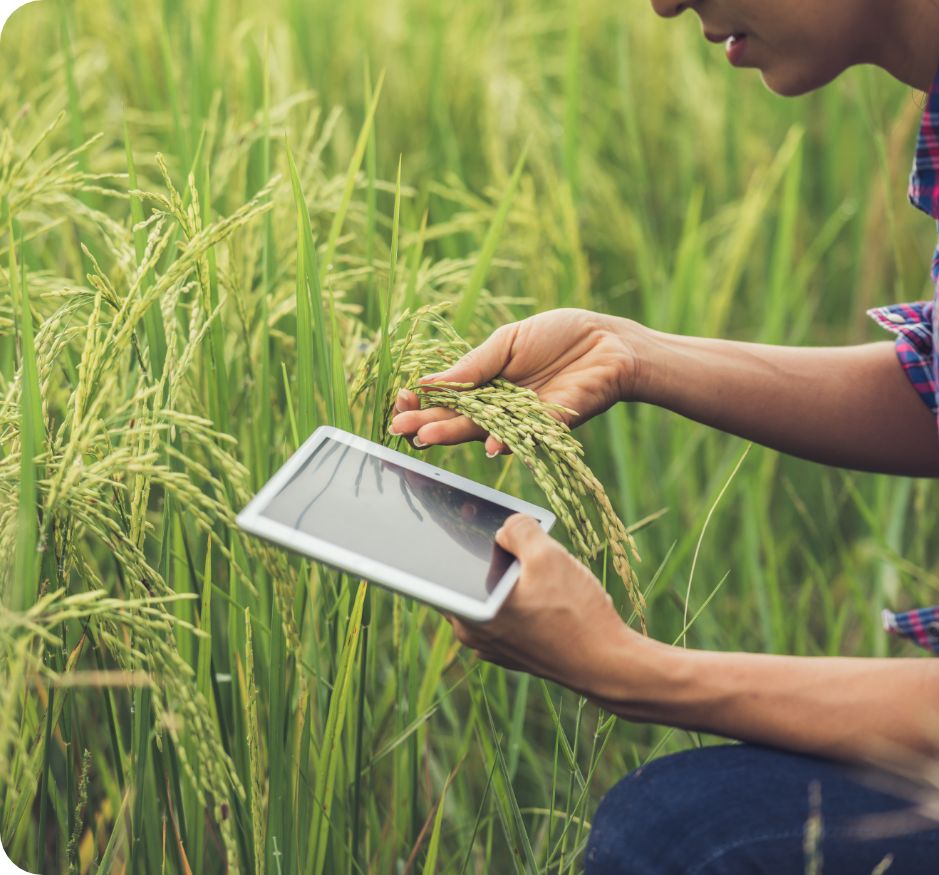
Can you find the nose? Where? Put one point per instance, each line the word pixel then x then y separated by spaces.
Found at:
pixel 669 8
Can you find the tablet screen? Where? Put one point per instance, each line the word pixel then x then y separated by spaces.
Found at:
pixel 397 516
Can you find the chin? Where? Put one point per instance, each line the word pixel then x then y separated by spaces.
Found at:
pixel 794 82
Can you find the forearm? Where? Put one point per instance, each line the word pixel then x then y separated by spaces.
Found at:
pixel 847 406
pixel 853 709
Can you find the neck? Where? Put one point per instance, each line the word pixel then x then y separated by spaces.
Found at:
pixel 904 40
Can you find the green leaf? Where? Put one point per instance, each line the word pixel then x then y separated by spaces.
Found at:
pixel 32 439
pixel 330 750
pixel 351 172
pixel 433 846
pixel 314 358
pixel 467 306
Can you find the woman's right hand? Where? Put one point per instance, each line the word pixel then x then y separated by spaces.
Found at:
pixel 576 358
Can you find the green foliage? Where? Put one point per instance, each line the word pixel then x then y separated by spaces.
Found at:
pixel 212 213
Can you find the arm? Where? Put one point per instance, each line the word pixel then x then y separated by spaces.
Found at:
pixel 839 406
pixel 847 406
pixel 853 709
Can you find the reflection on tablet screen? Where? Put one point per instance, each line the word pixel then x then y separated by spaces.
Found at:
pixel 396 516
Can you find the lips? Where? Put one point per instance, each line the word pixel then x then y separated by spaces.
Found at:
pixel 716 37
pixel 736 49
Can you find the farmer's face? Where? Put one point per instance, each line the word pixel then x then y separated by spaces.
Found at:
pixel 797 45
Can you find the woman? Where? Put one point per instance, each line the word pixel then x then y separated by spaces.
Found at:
pixel 738 808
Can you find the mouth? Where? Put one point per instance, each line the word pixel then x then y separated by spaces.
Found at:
pixel 726 38
pixel 736 49
pixel 735 43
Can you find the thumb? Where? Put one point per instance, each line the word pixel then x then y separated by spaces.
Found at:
pixel 522 536
pixel 482 363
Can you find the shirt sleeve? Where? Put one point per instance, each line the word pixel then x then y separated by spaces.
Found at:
pixel 921 626
pixel 912 323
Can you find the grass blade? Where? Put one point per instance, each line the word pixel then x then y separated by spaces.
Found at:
pixel 329 753
pixel 467 305
pixel 32 439
pixel 355 164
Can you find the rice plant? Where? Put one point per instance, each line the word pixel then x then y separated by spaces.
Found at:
pixel 222 225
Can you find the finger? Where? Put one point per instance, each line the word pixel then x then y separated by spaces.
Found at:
pixel 460 631
pixel 406 400
pixel 497 658
pixel 504 662
pixel 496 448
pixel 446 432
pixel 482 363
pixel 408 423
pixel 522 536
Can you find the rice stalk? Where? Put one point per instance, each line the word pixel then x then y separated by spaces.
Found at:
pixel 528 426
pixel 250 698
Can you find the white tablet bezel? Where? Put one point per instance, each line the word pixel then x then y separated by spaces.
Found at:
pixel 251 520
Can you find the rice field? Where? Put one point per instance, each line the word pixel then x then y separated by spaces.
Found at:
pixel 220 223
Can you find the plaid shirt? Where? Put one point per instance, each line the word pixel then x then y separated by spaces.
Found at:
pixel 917 329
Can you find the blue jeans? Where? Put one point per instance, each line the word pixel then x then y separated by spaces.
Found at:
pixel 736 809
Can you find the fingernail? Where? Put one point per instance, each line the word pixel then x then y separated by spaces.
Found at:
pixel 419 443
pixel 430 377
pixel 491 455
pixel 391 430
pixel 402 395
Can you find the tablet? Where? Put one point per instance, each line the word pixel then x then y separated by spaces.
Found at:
pixel 395 520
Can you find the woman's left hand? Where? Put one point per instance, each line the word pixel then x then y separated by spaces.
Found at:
pixel 558 622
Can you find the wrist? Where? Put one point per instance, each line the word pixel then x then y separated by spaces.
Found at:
pixel 638 677
pixel 637 367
